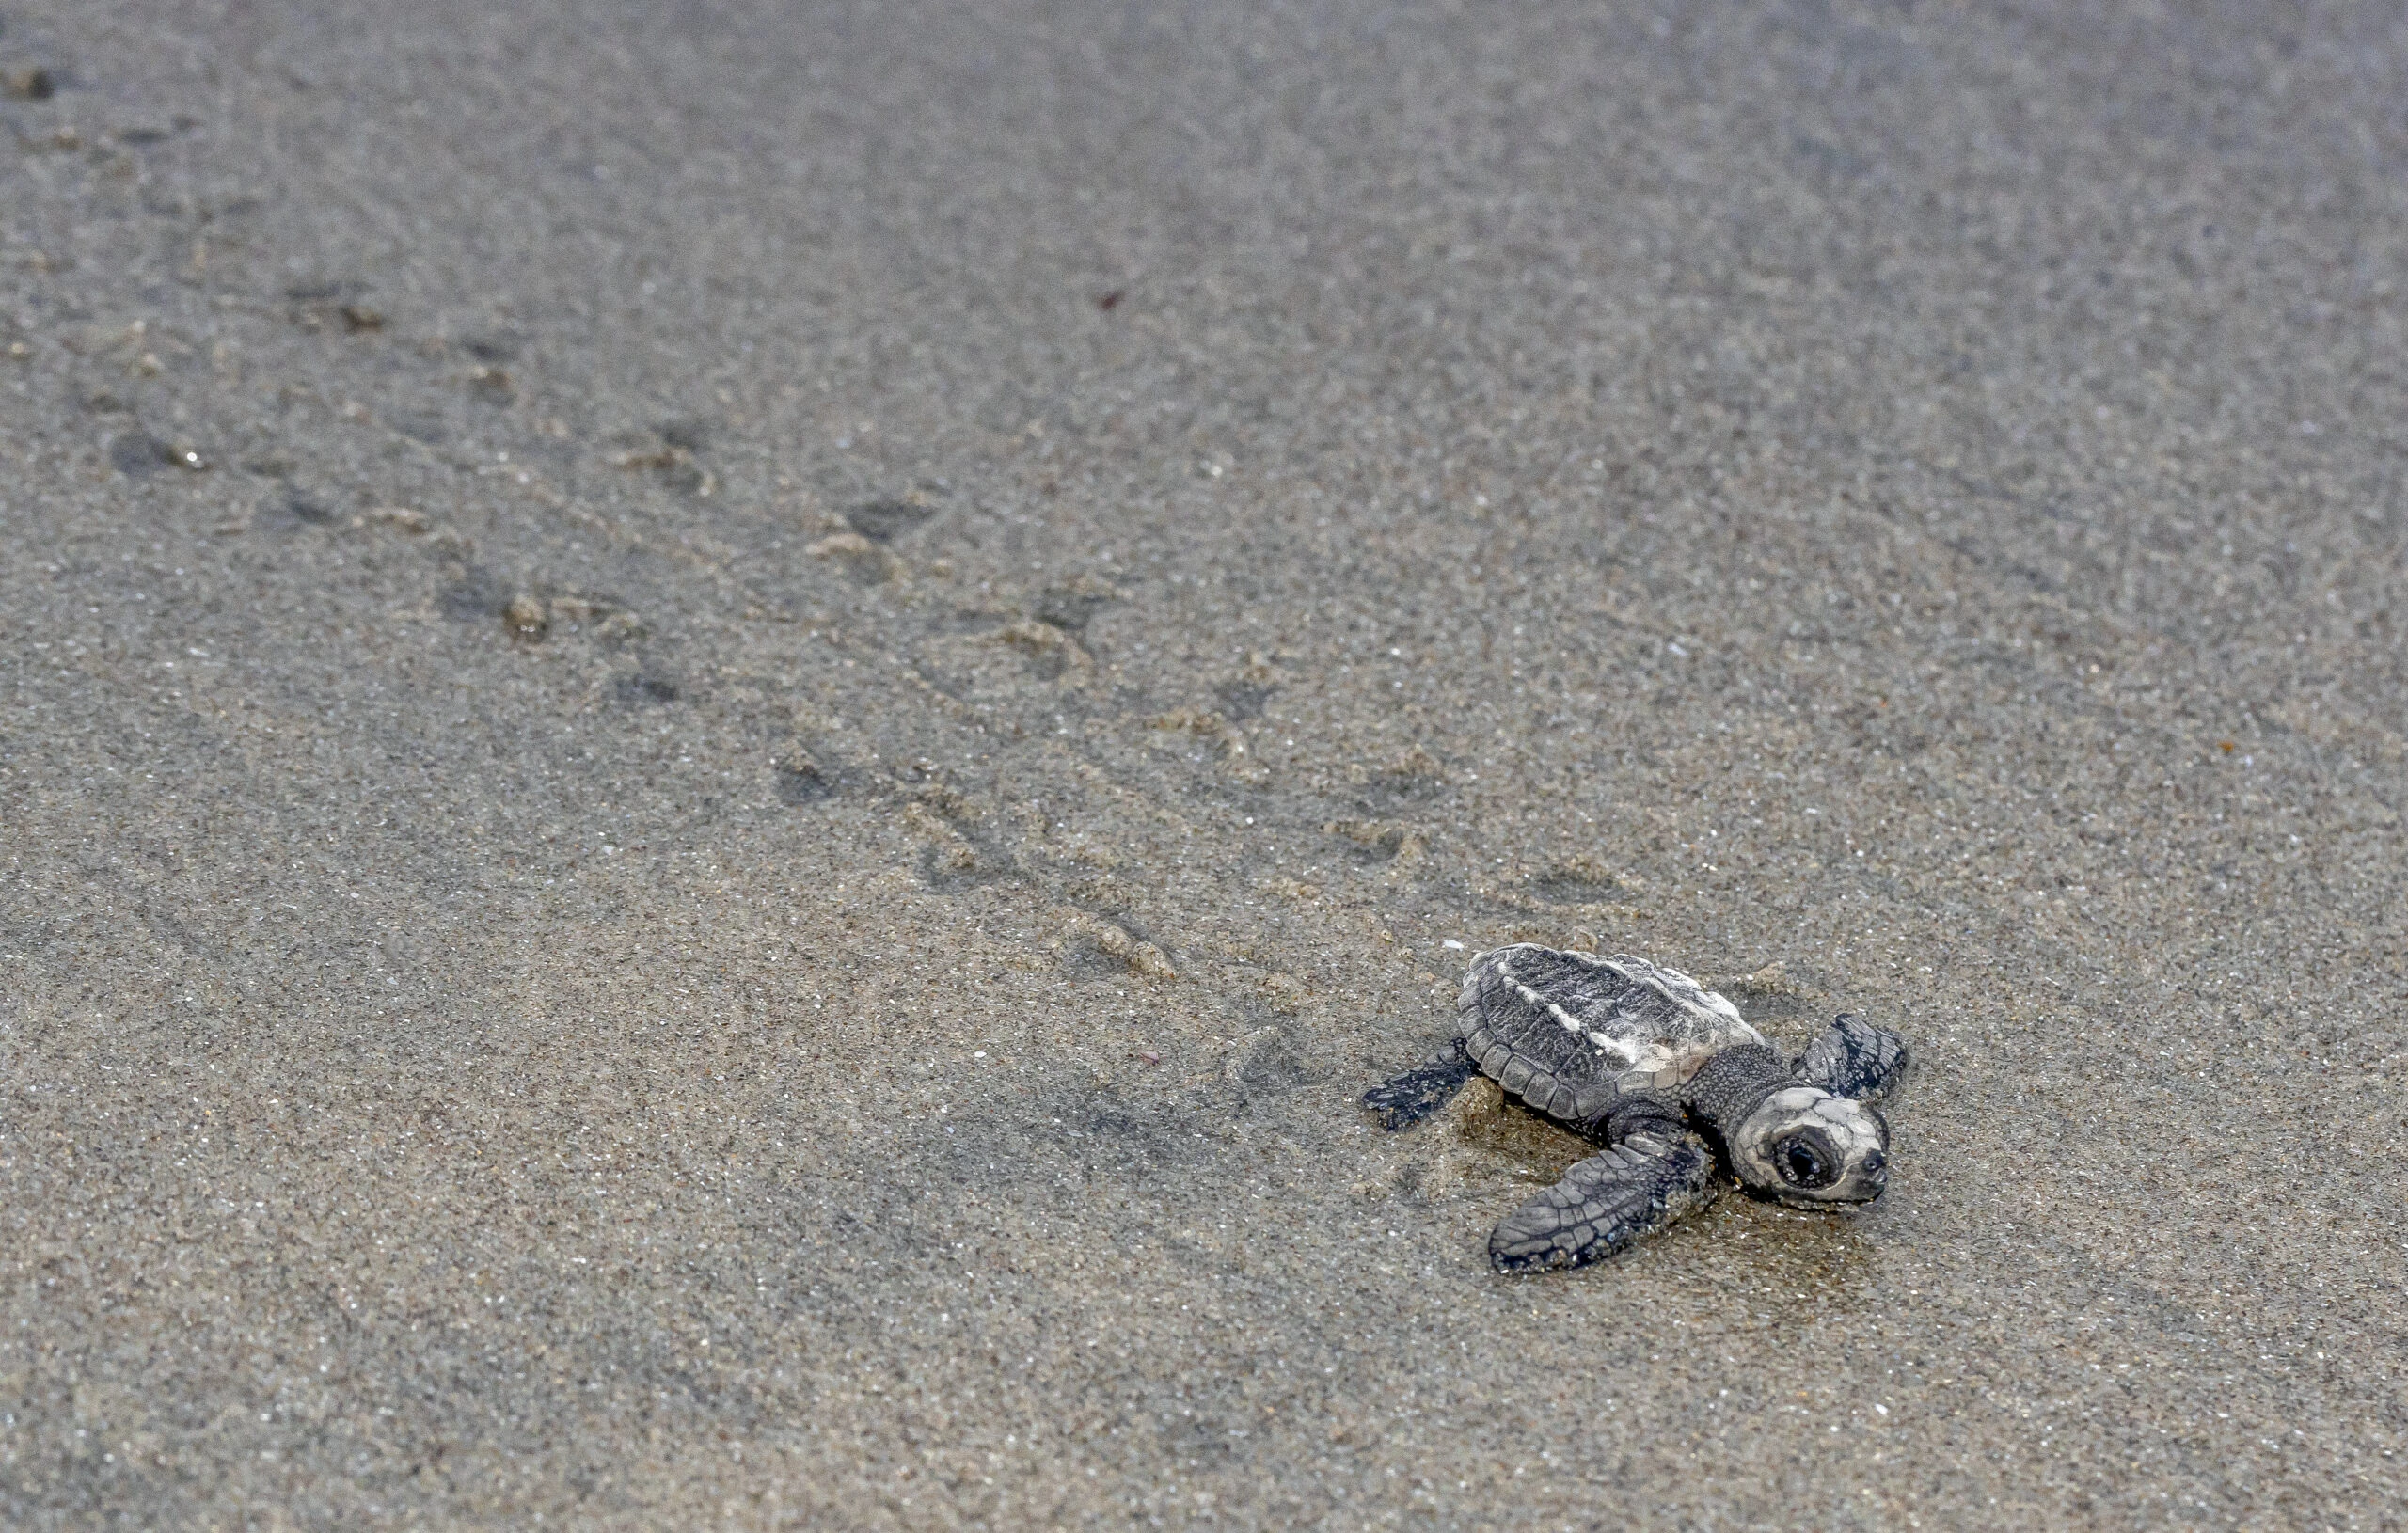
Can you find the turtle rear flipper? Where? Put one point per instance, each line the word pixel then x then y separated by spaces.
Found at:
pixel 1605 1202
pixel 1854 1058
pixel 1402 1103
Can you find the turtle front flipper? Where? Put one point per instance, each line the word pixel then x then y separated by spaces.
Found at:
pixel 1605 1202
pixel 1402 1103
pixel 1854 1058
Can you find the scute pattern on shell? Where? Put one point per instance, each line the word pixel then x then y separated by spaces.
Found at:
pixel 1570 1031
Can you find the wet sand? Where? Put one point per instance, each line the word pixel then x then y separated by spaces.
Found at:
pixel 727 732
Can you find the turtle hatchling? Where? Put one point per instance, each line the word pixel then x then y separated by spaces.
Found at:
pixel 1666 1075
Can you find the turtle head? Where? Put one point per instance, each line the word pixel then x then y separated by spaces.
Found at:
pixel 1810 1149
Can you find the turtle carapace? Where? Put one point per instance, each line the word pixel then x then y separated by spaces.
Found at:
pixel 1664 1073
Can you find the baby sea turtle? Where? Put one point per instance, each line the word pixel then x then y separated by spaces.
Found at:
pixel 1629 1053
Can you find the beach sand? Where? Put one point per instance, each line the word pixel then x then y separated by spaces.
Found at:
pixel 727 732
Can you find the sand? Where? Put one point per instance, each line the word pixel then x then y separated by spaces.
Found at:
pixel 728 731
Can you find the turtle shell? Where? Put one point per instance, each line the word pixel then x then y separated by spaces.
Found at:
pixel 1570 1031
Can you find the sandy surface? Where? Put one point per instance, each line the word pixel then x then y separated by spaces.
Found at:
pixel 726 733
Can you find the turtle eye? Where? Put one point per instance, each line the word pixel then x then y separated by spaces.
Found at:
pixel 1803 1160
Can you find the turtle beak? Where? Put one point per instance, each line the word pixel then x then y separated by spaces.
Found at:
pixel 1865 1181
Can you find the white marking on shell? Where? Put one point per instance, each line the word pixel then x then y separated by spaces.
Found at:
pixel 1658 1061
pixel 1572 1024
pixel 1668 1066
pixel 1662 978
pixel 1628 1053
